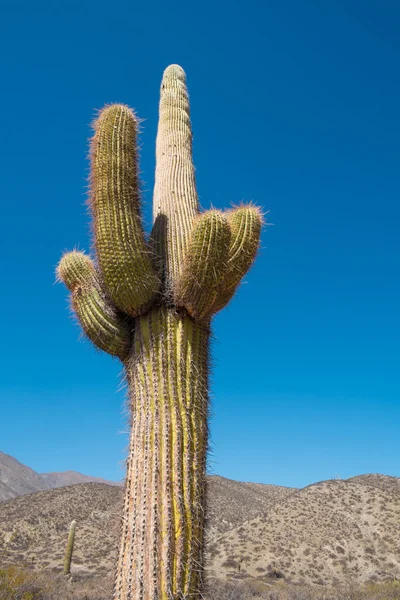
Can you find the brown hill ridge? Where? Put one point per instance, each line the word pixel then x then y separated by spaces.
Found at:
pixel 332 531
pixel 64 478
pixel 329 532
pixel 16 479
pixel 34 527
pixel 233 502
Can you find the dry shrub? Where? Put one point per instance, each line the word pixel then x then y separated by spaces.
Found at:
pixel 253 590
pixel 18 584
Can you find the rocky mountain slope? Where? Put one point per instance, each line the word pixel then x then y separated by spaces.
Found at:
pixel 332 531
pixel 16 479
pixel 34 528
pixel 64 478
pixel 233 502
pixel 329 532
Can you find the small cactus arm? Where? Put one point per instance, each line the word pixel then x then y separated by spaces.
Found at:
pixel 150 303
pixel 69 549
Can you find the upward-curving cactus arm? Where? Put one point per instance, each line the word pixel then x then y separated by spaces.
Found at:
pixel 123 255
pixel 206 262
pixel 245 223
pixel 101 321
pixel 151 305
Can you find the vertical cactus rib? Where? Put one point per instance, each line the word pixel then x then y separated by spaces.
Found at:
pixel 163 518
pixel 99 319
pixel 245 223
pixel 205 264
pixel 196 352
pixel 175 203
pixel 123 254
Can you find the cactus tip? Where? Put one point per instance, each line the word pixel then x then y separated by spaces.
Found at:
pixel 175 72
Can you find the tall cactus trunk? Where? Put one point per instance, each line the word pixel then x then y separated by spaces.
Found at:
pixel 161 553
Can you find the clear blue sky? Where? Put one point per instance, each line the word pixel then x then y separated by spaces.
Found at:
pixel 295 106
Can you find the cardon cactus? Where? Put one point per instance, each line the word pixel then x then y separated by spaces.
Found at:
pixel 150 303
pixel 69 549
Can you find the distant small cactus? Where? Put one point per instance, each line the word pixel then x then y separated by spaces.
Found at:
pixel 69 549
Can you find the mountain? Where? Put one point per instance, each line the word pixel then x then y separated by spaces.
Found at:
pixel 329 532
pixel 34 527
pixel 233 502
pixel 6 492
pixel 64 478
pixel 17 479
pixel 383 482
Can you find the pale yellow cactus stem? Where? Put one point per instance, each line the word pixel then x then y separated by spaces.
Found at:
pixel 175 202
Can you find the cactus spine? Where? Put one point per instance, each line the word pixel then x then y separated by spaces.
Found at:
pixel 150 303
pixel 69 549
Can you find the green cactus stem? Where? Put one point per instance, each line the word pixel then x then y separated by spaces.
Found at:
pixel 122 252
pixel 100 319
pixel 205 265
pixel 150 303
pixel 69 549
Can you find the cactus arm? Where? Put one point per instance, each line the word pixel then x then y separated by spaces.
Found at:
pixel 123 255
pixel 76 268
pixel 69 549
pixel 99 319
pixel 205 264
pixel 245 223
pixel 100 322
pixel 175 203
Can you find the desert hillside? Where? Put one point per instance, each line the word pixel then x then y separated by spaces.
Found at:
pixel 329 532
pixel 64 478
pixel 332 531
pixel 33 528
pixel 233 502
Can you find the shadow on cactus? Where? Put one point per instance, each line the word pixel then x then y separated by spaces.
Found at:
pixel 150 303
